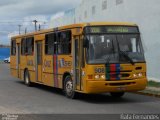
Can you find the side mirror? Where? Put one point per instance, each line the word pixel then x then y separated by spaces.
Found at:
pixel 85 42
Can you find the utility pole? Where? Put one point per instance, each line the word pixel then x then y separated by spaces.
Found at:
pixel 39 27
pixel 35 23
pixel 25 30
pixel 19 26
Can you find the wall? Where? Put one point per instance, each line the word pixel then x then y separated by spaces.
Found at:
pixel 146 13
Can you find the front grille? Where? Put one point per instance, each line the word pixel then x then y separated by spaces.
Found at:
pixel 125 75
pixel 114 76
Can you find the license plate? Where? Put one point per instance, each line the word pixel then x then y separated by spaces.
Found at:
pixel 121 88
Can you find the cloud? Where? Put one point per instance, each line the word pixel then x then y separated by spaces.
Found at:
pixel 57 15
pixel 22 8
pixel 7 2
pixel 16 12
pixel 27 24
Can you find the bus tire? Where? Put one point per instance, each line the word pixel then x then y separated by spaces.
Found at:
pixel 27 79
pixel 117 94
pixel 68 88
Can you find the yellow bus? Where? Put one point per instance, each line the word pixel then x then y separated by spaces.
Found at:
pixel 87 58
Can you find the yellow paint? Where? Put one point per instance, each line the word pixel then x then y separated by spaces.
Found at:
pixel 46 71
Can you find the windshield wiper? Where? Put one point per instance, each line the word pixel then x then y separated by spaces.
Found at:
pixel 127 56
pixel 124 54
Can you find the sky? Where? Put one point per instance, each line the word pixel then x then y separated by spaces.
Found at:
pixel 15 13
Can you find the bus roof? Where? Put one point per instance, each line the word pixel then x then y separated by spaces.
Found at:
pixel 75 26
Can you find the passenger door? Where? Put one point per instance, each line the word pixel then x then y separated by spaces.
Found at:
pixel 38 51
pixel 18 59
pixel 77 63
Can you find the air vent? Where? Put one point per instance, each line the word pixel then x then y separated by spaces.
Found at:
pixel 138 68
pixel 125 75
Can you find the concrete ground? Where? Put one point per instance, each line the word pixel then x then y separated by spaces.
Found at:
pixel 16 98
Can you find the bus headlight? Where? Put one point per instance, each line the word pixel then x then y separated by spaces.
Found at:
pixel 103 77
pixel 137 75
pixel 140 75
pixel 97 76
pixel 100 77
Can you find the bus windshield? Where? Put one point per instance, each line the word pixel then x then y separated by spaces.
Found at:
pixel 114 48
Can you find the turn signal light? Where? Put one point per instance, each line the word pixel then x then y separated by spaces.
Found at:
pixel 90 76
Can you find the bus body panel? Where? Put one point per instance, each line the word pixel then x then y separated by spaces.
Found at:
pixel 48 77
pixel 13 66
pixel 121 86
pixel 64 65
pixel 23 65
pixel 54 67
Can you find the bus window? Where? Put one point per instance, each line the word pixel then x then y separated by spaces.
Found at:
pixel 133 42
pixel 64 42
pixel 13 47
pixel 49 43
pixel 30 46
pixel 27 46
pixel 23 46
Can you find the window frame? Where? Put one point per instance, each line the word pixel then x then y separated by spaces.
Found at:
pixel 93 10
pixel 104 4
pixel 118 2
pixel 85 14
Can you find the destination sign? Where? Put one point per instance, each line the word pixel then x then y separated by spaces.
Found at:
pixel 118 29
pixel 111 29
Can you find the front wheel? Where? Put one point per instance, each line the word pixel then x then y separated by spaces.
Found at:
pixel 117 95
pixel 68 88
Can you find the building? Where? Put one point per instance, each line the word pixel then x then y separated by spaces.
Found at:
pixel 63 18
pixel 146 13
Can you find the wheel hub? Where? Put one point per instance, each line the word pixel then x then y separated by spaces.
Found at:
pixel 27 80
pixel 69 87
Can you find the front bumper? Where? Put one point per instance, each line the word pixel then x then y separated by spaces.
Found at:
pixel 116 86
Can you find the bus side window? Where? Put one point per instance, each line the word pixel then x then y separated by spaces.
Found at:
pixel 59 41
pixel 49 43
pixel 64 42
pixel 30 46
pixel 13 47
pixel 23 46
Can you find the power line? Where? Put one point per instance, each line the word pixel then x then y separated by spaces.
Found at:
pixel 13 21
pixel 20 26
pixel 23 25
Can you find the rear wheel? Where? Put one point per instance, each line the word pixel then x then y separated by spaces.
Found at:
pixel 117 95
pixel 68 88
pixel 27 78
